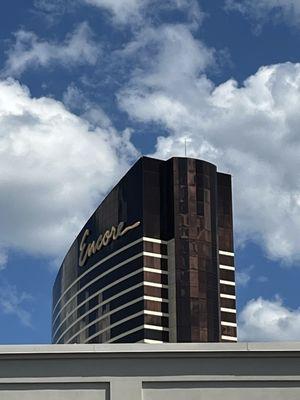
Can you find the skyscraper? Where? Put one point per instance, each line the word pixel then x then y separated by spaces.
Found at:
pixel 154 263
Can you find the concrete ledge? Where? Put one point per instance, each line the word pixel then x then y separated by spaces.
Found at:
pixel 140 348
pixel 190 371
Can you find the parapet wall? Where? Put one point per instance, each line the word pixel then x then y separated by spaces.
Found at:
pixel 219 371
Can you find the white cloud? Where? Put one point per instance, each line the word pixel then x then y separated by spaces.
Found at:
pixel 12 302
pixel 3 259
pixel 133 11
pixel 169 58
pixel 268 320
pixel 75 99
pixel 54 7
pixel 243 277
pixel 262 279
pixel 263 10
pixel 54 168
pixel 30 51
pixel 251 131
pixel 122 10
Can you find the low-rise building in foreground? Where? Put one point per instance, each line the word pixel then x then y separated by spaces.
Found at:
pixel 205 371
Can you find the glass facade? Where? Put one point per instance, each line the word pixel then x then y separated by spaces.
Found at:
pixel 113 285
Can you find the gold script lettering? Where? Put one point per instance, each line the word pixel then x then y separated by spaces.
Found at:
pixel 82 247
pixel 99 243
pixel 89 249
pixel 106 238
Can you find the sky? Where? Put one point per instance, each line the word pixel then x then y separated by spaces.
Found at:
pixel 88 86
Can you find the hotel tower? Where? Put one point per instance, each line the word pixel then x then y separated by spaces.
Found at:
pixel 155 261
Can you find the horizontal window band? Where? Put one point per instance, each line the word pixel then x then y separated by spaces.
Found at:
pixel 96 279
pixel 108 300
pixel 226 260
pixel 227 296
pixel 115 267
pixel 147 239
pixel 229 310
pixel 105 329
pixel 230 283
pixel 226 275
pixel 228 303
pixel 158 285
pixel 145 269
pixel 145 297
pixel 107 273
pixel 89 312
pixel 152 240
pixel 105 315
pixel 155 271
pixel 152 327
pixel 139 328
pixel 128 276
pixel 142 312
pixel 156 328
pixel 228 267
pixel 153 335
pixel 232 324
pixel 140 270
pixel 144 283
pixel 150 290
pixel 228 317
pixel 156 255
pixel 121 321
pixel 95 266
pixel 227 289
pixel 146 312
pixel 156 313
pixel 226 253
pixel 231 338
pixel 153 298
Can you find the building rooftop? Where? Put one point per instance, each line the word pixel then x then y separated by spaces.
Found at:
pixel 136 349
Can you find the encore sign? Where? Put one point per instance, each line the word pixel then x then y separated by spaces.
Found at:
pixel 88 249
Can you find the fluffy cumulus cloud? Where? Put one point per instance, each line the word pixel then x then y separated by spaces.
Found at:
pixel 54 168
pixel 250 130
pixel 3 259
pixel 168 59
pixel 30 51
pixel 243 277
pixel 262 10
pixel 14 302
pixel 268 320
pixel 76 100
pixel 129 11
pixel 55 7
pixel 122 10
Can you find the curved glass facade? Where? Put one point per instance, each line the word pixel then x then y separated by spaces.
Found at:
pixel 145 267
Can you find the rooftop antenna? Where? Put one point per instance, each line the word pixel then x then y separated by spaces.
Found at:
pixel 186 141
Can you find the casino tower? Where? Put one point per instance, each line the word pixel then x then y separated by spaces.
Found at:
pixel 155 261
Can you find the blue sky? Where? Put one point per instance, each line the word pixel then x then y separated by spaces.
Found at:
pixel 87 86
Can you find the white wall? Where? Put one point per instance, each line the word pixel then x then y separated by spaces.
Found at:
pixel 217 371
